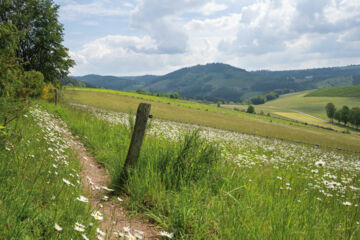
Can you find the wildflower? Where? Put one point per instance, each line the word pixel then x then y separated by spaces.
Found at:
pixel 120 199
pixel 105 198
pixel 166 234
pixel 100 232
pixel 82 199
pixel 108 189
pixel 320 163
pixel 79 229
pixel 100 237
pixel 131 237
pixel 278 177
pixel 97 215
pixel 347 203
pixel 66 181
pixel 126 229
pixel 58 228
pixel 84 237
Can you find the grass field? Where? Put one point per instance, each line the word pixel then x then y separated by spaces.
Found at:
pixel 228 119
pixel 301 107
pixel 215 184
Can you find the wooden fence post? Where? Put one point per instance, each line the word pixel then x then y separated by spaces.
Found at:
pixel 56 96
pixel 142 115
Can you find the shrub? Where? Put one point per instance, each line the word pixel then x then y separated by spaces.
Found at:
pixel 250 109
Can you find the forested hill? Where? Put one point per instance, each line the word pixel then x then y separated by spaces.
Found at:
pixel 217 81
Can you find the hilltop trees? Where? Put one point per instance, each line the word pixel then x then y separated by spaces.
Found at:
pixel 344 115
pixel 40 46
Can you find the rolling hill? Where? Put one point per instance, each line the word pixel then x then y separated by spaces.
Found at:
pixel 345 91
pixel 222 82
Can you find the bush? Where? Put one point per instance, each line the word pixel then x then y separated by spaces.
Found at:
pixel 250 109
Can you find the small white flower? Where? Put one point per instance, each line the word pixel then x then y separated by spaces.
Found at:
pixel 79 229
pixel 66 181
pixel 58 228
pixel 82 199
pixel 131 237
pixel 100 237
pixel 166 234
pixel 126 229
pixel 84 236
pixel 347 203
pixel 120 199
pixel 100 232
pixel 97 215
pixel 320 163
pixel 105 198
pixel 278 177
pixel 108 189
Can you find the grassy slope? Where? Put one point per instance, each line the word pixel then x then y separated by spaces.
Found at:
pixel 346 91
pixel 236 121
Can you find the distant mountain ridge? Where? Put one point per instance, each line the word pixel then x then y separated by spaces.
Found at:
pixel 223 82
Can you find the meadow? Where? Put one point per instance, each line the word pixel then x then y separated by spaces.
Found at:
pixel 206 183
pixel 213 116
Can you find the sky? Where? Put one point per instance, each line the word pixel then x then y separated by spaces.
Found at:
pixel 137 37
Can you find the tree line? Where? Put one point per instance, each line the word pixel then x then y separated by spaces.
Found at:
pixel 343 115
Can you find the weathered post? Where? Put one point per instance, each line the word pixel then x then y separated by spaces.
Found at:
pixel 142 115
pixel 56 96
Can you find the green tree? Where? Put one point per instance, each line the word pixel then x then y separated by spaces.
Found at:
pixel 250 109
pixel 354 117
pixel 330 110
pixel 40 48
pixel 337 115
pixel 345 114
pixel 16 85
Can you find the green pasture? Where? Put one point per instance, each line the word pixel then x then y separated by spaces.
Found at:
pixel 241 187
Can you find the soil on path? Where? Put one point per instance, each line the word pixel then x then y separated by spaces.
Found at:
pixel 115 218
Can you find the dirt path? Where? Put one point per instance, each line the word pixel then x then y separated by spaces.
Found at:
pixel 116 223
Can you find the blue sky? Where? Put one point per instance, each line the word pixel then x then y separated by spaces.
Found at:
pixel 136 37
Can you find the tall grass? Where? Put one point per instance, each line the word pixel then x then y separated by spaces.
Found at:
pixel 34 160
pixel 188 186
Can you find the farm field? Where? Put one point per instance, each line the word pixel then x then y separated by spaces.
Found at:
pixel 234 120
pixel 311 105
pixel 216 184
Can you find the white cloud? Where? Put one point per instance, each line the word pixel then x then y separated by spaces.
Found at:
pixel 163 35
pixel 161 20
pixel 213 7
